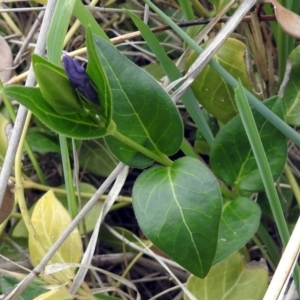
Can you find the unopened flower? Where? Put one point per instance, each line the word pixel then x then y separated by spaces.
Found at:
pixel 80 79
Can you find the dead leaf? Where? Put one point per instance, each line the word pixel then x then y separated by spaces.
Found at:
pixel 6 60
pixel 288 20
pixel 8 202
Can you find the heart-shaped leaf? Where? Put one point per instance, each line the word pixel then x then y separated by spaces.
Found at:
pixel 73 125
pixel 212 91
pixel 232 158
pixel 231 280
pixel 142 110
pixel 179 209
pixel 239 222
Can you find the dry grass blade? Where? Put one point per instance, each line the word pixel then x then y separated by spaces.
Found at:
pixel 6 60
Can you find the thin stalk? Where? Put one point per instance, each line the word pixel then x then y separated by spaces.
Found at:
pixel 264 252
pixel 269 243
pixel 187 9
pixel 72 204
pixel 200 8
pixel 159 157
pixel 293 182
pixel 264 168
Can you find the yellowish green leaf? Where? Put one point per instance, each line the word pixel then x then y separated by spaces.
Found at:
pixel 61 294
pixel 49 219
pixel 231 280
pixel 216 96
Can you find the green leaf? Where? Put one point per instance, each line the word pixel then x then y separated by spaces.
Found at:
pixel 96 72
pixel 171 70
pixel 291 97
pixel 56 87
pixel 216 96
pixel 232 159
pixel 31 291
pixel 87 19
pixel 96 158
pixel 60 21
pixel 142 110
pixel 73 125
pixel 231 280
pixel 42 142
pixel 179 210
pixel 239 222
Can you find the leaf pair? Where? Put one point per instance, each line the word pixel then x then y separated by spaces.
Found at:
pixel 136 115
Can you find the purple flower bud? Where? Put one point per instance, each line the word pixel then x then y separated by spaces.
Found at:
pixel 80 79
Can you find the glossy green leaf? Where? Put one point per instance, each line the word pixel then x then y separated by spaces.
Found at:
pixel 72 125
pixel 239 222
pixel 291 97
pixel 95 157
pixel 179 210
pixel 99 78
pixel 231 280
pixel 232 159
pixel 56 87
pixel 216 96
pixel 142 110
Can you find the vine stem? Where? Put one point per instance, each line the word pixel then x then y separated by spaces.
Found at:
pixel 159 157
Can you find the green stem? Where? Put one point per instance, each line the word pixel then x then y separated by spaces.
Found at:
pixel 269 243
pixel 262 162
pixel 72 205
pixel 293 183
pixel 186 9
pixel 264 169
pixel 159 157
pixel 264 252
pixel 200 9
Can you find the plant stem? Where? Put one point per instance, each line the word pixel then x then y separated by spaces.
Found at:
pixel 293 182
pixel 159 157
pixel 264 169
